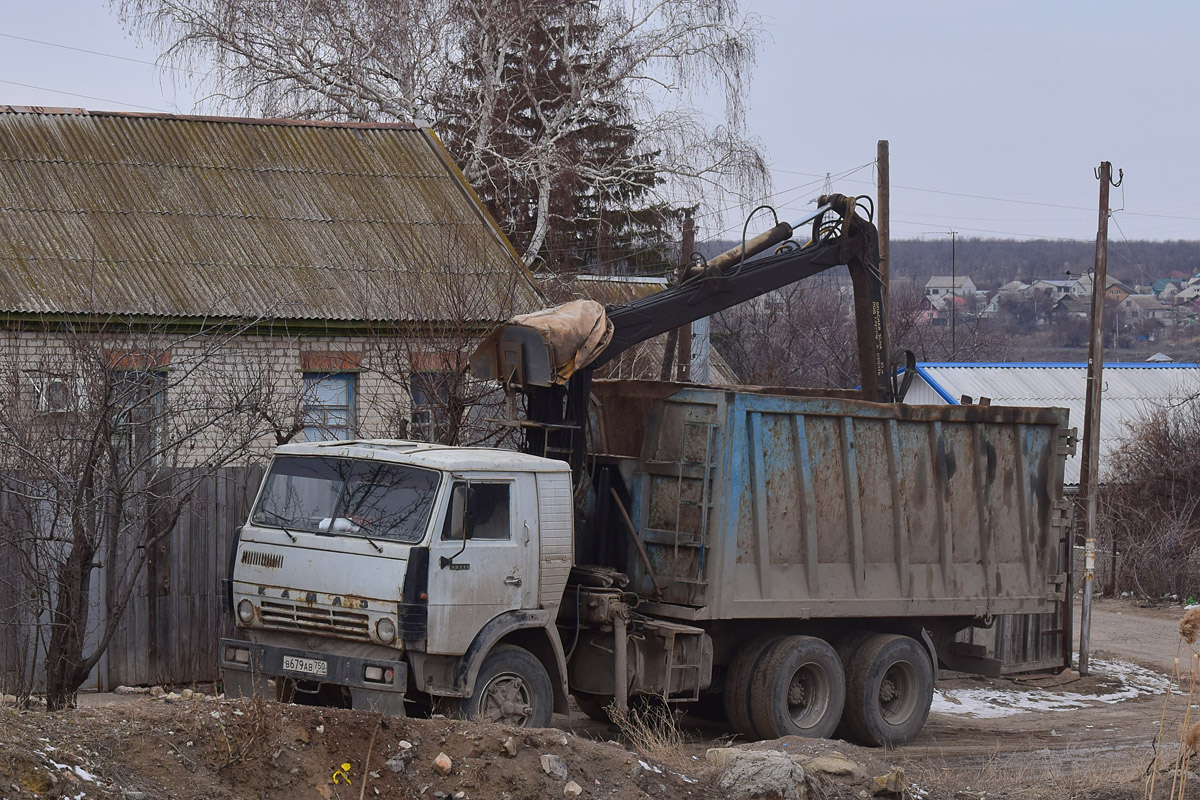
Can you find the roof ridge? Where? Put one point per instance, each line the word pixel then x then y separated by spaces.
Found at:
pixel 162 115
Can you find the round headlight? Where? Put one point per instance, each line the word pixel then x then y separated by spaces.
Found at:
pixel 246 611
pixel 385 629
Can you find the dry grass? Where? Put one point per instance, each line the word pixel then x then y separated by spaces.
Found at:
pixel 652 730
pixel 1167 774
pixel 250 731
pixel 1189 626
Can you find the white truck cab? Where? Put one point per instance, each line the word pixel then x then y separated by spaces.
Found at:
pixel 376 569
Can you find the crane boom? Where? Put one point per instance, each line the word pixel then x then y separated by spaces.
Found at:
pixel 529 352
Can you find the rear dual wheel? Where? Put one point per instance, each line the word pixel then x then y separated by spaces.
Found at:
pixel 789 686
pixel 889 687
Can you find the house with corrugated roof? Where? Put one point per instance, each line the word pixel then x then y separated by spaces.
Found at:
pixel 342 254
pixel 180 293
pixel 939 286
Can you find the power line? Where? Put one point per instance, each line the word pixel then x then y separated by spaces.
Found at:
pixel 1005 199
pixel 104 55
pixel 84 96
pixel 998 233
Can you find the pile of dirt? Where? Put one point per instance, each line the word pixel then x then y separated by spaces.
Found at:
pixel 210 749
pixel 148 748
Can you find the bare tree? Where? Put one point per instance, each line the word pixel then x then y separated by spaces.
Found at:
pixel 560 110
pixel 418 359
pixel 105 431
pixel 804 335
pixel 975 337
pixel 1150 502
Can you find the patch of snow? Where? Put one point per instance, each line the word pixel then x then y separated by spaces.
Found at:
pixel 1132 682
pixel 85 775
pixel 650 767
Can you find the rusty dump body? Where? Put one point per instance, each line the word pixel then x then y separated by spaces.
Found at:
pixel 763 505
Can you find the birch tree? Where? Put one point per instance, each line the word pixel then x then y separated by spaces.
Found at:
pixel 565 114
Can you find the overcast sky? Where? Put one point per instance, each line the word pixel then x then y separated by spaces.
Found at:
pixel 996 113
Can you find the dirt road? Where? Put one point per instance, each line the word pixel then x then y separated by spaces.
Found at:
pixel 1126 630
pixel 1057 748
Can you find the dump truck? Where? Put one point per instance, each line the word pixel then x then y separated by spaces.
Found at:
pixel 793 562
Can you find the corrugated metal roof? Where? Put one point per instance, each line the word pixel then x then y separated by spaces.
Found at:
pixel 1130 391
pixel 174 216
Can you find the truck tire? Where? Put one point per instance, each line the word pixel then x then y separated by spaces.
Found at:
pixel 737 684
pixel 889 686
pixel 512 688
pixel 847 646
pixel 798 689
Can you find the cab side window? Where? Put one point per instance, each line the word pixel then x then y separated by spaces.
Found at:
pixel 488 514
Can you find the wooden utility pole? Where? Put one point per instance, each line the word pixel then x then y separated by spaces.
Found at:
pixel 953 296
pixel 680 338
pixel 884 215
pixel 684 370
pixel 1091 417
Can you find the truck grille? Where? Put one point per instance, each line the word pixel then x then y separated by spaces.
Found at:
pixel 312 619
pixel 266 560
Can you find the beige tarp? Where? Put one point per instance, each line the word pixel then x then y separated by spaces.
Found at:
pixel 575 333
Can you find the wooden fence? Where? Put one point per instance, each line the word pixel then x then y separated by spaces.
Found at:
pixel 168 633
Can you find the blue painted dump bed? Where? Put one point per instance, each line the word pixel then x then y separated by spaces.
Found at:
pixel 762 505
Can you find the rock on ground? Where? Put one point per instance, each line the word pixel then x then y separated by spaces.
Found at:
pixel 751 774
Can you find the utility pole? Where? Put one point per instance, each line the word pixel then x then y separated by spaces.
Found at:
pixel 684 371
pixel 680 339
pixel 953 296
pixel 1091 416
pixel 885 217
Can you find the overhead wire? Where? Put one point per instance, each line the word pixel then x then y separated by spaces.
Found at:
pixel 105 55
pixel 84 96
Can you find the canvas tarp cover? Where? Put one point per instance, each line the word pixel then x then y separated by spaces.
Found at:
pixel 575 334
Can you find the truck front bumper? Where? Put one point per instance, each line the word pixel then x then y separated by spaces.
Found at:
pixel 374 684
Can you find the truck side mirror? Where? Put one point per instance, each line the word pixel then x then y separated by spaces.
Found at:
pixel 458 520
pixel 460 512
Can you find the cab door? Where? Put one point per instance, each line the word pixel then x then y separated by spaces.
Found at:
pixel 492 569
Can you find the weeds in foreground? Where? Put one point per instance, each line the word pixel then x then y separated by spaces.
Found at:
pixel 250 730
pixel 652 730
pixel 1189 730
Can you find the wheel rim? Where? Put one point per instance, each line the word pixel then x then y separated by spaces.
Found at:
pixel 506 699
pixel 807 695
pixel 898 693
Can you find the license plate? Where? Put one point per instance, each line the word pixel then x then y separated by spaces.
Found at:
pixel 311 666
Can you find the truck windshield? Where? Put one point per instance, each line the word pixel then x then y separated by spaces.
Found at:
pixel 373 499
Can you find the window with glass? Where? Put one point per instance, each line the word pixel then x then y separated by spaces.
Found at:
pixel 430 393
pixel 327 407
pixel 139 401
pixel 487 514
pixel 373 499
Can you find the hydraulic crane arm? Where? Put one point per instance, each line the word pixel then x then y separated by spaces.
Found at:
pixel 728 280
pixel 551 355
